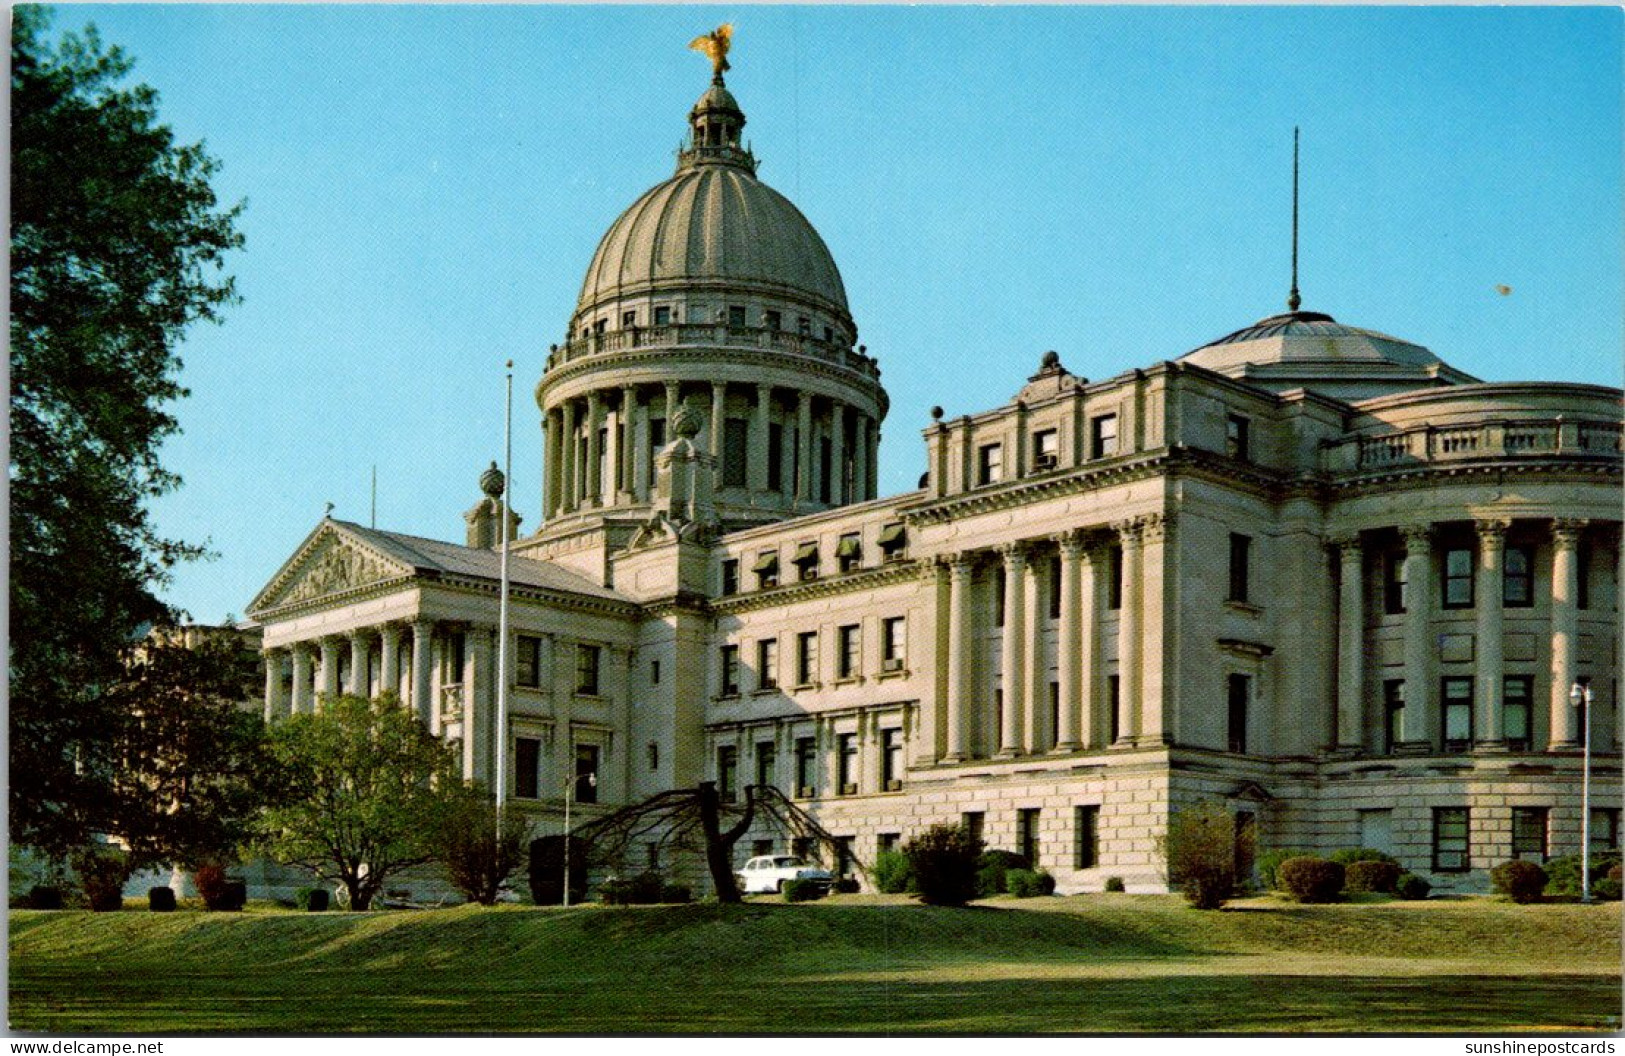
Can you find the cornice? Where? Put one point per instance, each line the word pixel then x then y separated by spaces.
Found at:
pixel 706 356
pixel 1410 477
pixel 463 584
pixel 1022 492
pixel 884 575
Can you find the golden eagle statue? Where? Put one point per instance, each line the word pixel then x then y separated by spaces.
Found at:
pixel 714 46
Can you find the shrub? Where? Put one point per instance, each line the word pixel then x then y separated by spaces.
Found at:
pixel 1616 873
pixel 991 869
pixel 313 899
pixel 210 881
pixel 1026 883
pixel 1349 855
pixel 1115 883
pixel 801 890
pixel 1523 882
pixel 1268 865
pixel 1607 889
pixel 1370 875
pixel 236 895
pixel 1201 848
pixel 479 846
pixel 40 897
pixel 846 885
pixel 646 889
pixel 547 870
pixel 1312 879
pixel 891 873
pixel 1412 887
pixel 102 872
pixel 161 899
pixel 943 861
pixel 1563 874
pixel 676 893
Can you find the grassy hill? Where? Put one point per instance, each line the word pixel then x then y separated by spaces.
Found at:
pixel 851 963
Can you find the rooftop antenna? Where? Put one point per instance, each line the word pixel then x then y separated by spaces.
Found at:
pixel 1292 299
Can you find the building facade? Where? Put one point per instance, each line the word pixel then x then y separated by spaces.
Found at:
pixel 1308 570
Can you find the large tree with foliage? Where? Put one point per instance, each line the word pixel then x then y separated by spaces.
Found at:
pixel 480 846
pixel 367 786
pixel 117 242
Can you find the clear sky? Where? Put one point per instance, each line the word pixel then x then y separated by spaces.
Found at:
pixel 426 185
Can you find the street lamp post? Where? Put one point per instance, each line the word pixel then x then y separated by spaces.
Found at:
pixel 1581 695
pixel 569 797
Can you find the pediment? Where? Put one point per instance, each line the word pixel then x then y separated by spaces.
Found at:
pixel 330 562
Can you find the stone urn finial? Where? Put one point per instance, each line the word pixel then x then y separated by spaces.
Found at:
pixel 686 422
pixel 492 482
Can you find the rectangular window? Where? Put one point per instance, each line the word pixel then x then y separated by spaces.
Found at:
pixel 1240 556
pixel 600 326
pixel 893 643
pixel 1086 831
pixel 629 319
pixel 1604 834
pixel 1054 712
pixel 654 672
pixel 806 758
pixel 527 661
pixel 1239 688
pixel 989 463
pixel 1052 577
pixel 735 450
pixel 657 441
pixel 806 848
pixel 846 764
pixel 1114 706
pixel 1457 694
pixel 730 576
pixel 806 561
pixel 1114 578
pixel 849 552
pixel 654 756
pixel 1393 582
pixel 736 315
pixel 1236 443
pixel 1046 449
pixel 730 671
pixel 1027 835
pixel 767 763
pixel 1450 840
pixel 775 456
pixel 1103 436
pixel 891 759
pixel 1517 700
pixel 848 659
pixel 887 841
pixel 1529 833
pixel 766 568
pixel 893 542
pixel 586 790
pixel 844 857
pixel 773 320
pixel 1458 578
pixel 972 821
pixel 803 326
pixel 527 767
pixel 1518 577
pixel 727 773
pixel 1393 709
pixel 662 315
pixel 767 663
pixel 760 848
pixel 587 670
pixel 456 658
pixel 806 658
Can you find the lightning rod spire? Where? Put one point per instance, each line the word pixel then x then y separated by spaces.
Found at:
pixel 1292 299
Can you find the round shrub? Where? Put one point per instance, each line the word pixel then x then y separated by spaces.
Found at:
pixel 801 890
pixel 645 889
pixel 1606 890
pixel 1523 882
pixel 161 899
pixel 1268 866
pixel 1026 883
pixel 943 861
pixel 1312 879
pixel 1563 874
pixel 891 873
pixel 992 868
pixel 1412 887
pixel 846 885
pixel 102 874
pixel 312 899
pixel 44 897
pixel 1349 855
pixel 676 893
pixel 1370 875
pixel 1115 883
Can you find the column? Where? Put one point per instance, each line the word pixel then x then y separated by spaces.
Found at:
pixel 803 447
pixel 837 453
pixel 423 670
pixel 568 493
pixel 756 464
pixel 389 658
pixel 1565 632
pixel 330 667
pixel 357 684
pixel 860 459
pixel 673 392
pixel 1014 649
pixel 274 704
pixel 479 705
pixel 553 434
pixel 640 449
pixel 719 414
pixel 1128 635
pixel 623 443
pixel 1487 646
pixel 1421 711
pixel 593 493
pixel 1350 643
pixel 301 680
pixel 961 642
pixel 874 457
pixel 1035 672
pixel 1072 666
pixel 1151 572
pixel 1097 722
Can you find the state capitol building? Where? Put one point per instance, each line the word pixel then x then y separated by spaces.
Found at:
pixel 1307 570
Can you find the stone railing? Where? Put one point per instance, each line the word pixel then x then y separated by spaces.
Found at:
pixel 711 335
pixel 1501 439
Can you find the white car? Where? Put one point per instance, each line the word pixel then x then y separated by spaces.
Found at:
pixel 771 872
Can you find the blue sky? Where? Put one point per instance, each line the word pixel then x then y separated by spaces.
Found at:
pixel 426 185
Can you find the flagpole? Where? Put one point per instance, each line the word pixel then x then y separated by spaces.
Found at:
pixel 502 612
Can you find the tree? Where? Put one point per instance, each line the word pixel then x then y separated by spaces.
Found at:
pixel 480 851
pixel 366 786
pixel 1201 847
pixel 944 861
pixel 116 248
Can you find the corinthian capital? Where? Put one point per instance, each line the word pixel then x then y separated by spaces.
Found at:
pixel 1566 531
pixel 1492 529
pixel 1153 527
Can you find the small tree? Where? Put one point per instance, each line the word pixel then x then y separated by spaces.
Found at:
pixel 1523 882
pixel 1201 849
pixel 479 852
pixel 943 860
pixel 366 776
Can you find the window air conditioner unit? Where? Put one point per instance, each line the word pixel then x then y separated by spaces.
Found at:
pixel 892 664
pixel 1046 462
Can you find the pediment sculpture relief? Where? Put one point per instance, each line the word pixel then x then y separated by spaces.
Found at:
pixel 340 567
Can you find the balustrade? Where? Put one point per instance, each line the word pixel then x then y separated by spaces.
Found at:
pixel 1426 443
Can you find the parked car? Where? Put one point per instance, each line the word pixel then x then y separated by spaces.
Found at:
pixel 770 872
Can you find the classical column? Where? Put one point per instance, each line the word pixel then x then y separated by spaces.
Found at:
pixel 568 493
pixel 961 642
pixel 1097 721
pixel 423 670
pixel 1488 731
pixel 479 705
pixel 330 667
pixel 1151 573
pixel 1128 635
pixel 358 664
pixel 756 464
pixel 837 453
pixel 719 415
pixel 1350 643
pixel 640 448
pixel 874 457
pixel 1013 654
pixel 624 444
pixel 860 459
pixel 674 391
pixel 1565 631
pixel 274 704
pixel 1421 709
pixel 1072 667
pixel 594 491
pixel 1035 709
pixel 389 658
pixel 803 446
pixel 554 430
pixel 301 680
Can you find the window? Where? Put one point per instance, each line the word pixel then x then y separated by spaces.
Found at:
pixel 1518 577
pixel 829 335
pixel 1604 834
pixel 1054 713
pixel 989 463
pixel 727 773
pixel 806 561
pixel 891 759
pixel 1458 578
pixel 1052 576
pixel 600 326
pixel 760 848
pixel 766 569
pixel 657 441
pixel 844 856
pixel 806 658
pixel 654 756
pixel 527 767
pixel 587 670
pixel 662 316
pixel 1236 444
pixel 893 542
pixel 1393 582
pixel 806 848
pixel 767 663
pixel 767 763
pixel 775 456
pixel 1027 835
pixel 629 319
pixel 893 643
pixel 846 778
pixel 730 671
pixel 887 841
pixel 1114 577
pixel 735 450
pixel 1450 840
pixel 803 326
pixel 1458 713
pixel 848 657
pixel 586 790
pixel 1239 688
pixel 849 552
pixel 730 576
pixel 1046 449
pixel 527 661
pixel 654 672
pixel 773 320
pixel 806 757
pixel 1529 833
pixel 1114 706
pixel 1240 554
pixel 1103 436
pixel 1517 698
pixel 1086 832
pixel 972 821
pixel 736 315
pixel 455 658
pixel 1582 576
pixel 1393 709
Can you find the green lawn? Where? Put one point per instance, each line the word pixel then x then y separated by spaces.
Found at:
pixel 1101 963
